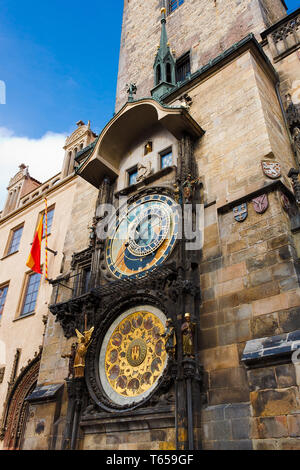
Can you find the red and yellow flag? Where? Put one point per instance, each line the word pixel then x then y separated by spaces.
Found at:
pixel 34 260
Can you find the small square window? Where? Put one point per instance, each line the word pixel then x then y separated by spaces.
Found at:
pixel 31 293
pixel 3 295
pixel 166 159
pixel 15 240
pixel 173 5
pixel 132 176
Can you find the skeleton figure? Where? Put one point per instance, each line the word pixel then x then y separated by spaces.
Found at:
pixel 84 341
pixel 71 357
pixel 170 338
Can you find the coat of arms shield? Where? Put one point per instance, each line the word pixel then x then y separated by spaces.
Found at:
pixel 241 212
pixel 271 169
pixel 261 203
pixel 285 202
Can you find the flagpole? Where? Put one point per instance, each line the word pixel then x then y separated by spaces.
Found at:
pixel 46 239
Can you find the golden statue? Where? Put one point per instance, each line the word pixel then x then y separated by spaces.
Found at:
pixel 170 338
pixel 148 148
pixel 84 341
pixel 188 336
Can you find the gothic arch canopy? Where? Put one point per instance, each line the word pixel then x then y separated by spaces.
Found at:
pixel 126 127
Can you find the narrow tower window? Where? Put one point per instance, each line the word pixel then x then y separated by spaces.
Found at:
pixel 169 74
pixel 158 74
pixel 183 67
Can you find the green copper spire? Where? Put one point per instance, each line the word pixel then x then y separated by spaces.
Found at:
pixel 164 65
pixel 164 47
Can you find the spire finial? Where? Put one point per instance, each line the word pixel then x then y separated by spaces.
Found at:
pixel 164 65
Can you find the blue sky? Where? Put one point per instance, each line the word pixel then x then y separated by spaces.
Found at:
pixel 59 61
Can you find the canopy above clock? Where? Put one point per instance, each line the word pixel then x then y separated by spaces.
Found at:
pixel 127 127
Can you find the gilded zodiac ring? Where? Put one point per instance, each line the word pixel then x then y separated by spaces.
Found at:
pixel 136 352
pixel 133 355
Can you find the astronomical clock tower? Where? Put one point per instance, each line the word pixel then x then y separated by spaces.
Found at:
pixel 142 372
pixel 188 272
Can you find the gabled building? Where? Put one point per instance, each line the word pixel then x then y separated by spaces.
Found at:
pixel 25 295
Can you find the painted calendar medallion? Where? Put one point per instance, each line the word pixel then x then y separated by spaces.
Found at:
pixel 134 356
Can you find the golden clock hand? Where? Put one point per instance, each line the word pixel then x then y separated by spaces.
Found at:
pixel 121 254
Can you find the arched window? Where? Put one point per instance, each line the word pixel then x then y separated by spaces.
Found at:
pixel 158 74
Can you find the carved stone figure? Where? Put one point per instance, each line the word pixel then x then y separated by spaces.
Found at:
pixel 144 170
pixel 84 341
pixel 188 336
pixel 131 90
pixel 186 101
pixel 188 188
pixel 71 357
pixel 170 338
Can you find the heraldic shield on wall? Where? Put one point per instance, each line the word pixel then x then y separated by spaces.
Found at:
pixel 271 169
pixel 241 212
pixel 261 203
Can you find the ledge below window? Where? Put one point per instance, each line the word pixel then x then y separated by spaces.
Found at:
pixel 22 317
pixel 150 179
pixel 10 254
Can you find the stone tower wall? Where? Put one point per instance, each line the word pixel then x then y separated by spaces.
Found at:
pixel 206 28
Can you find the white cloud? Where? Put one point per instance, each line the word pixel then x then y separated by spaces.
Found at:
pixel 44 156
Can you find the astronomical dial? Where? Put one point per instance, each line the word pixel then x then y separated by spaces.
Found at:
pixel 133 355
pixel 144 237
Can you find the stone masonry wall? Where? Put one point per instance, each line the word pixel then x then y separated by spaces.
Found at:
pixel 250 290
pixel 248 275
pixel 206 28
pixel 272 11
pixel 239 111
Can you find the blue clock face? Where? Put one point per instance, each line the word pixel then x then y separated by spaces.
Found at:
pixel 144 237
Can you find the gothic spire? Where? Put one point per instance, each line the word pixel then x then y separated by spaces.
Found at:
pixel 164 65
